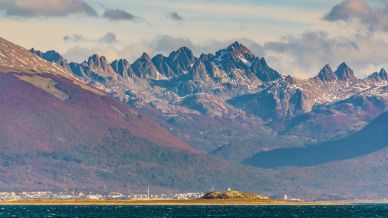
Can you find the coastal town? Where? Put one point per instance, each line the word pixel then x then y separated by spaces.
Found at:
pixel 73 195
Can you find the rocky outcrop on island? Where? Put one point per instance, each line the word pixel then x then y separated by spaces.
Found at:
pixel 233 195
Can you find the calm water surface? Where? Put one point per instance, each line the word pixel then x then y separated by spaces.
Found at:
pixel 370 210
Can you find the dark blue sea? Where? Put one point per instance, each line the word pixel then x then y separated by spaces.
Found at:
pixel 367 210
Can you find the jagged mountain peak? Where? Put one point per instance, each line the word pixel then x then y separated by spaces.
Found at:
pixel 235 62
pixel 238 46
pixel 96 67
pixel 181 60
pixel 345 73
pixel 327 67
pixel 326 74
pixel 144 68
pixel 159 57
pixel 161 63
pixel 263 61
pixel 122 67
pixel 206 57
pixel 52 56
pixel 383 72
pixel 145 56
pixel 182 50
pixel 378 76
pixel 237 51
pixel 121 61
pixel 98 62
pixel 343 65
pixel 36 51
pixel 94 59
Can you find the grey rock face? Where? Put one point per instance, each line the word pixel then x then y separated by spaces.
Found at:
pixel 233 82
pixel 161 64
pixel 144 68
pixel 95 69
pixel 378 76
pixel 327 74
pixel 265 73
pixel 123 68
pixel 345 73
pixel 52 56
pixel 181 60
pixel 100 65
pixel 278 100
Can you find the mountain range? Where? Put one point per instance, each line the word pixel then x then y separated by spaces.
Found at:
pixel 59 133
pixel 181 122
pixel 235 85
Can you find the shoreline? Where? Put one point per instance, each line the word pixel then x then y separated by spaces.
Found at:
pixel 170 203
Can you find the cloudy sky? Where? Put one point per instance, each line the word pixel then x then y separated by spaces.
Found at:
pixel 297 37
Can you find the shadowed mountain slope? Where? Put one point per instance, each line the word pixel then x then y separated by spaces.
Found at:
pixel 371 138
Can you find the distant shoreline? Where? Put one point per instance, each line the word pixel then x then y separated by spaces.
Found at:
pixel 170 202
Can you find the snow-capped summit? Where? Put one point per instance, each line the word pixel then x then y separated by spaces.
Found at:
pixel 234 82
pixel 237 46
pixel 235 52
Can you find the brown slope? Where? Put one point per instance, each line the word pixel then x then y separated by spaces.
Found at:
pixel 93 142
pixel 56 132
pixel 35 116
pixel 70 101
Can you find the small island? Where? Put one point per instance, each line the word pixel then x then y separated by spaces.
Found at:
pixel 233 195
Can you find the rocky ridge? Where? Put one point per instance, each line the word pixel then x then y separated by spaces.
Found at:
pixel 234 84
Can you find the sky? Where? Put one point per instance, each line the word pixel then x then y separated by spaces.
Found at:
pixel 297 37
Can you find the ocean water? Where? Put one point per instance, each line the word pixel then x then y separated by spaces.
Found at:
pixel 367 210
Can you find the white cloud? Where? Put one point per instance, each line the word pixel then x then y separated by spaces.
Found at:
pixel 79 54
pixel 75 38
pixel 108 38
pixel 304 55
pixel 348 10
pixel 166 43
pixel 118 14
pixel 175 16
pixel 44 8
